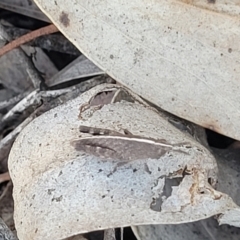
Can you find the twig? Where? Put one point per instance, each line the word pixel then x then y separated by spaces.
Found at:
pixel 29 100
pixel 33 99
pixel 12 101
pixel 4 177
pixel 54 42
pixel 28 37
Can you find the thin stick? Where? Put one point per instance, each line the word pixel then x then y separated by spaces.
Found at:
pixel 28 37
pixel 4 177
pixel 12 101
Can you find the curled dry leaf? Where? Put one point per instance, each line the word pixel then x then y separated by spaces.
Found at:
pixel 60 191
pixel 181 57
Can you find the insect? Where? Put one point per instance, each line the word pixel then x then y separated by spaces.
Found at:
pixel 108 144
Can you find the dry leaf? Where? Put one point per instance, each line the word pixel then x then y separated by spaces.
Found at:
pixel 60 192
pixel 183 58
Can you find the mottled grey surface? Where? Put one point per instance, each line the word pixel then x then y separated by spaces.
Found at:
pixel 5 232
